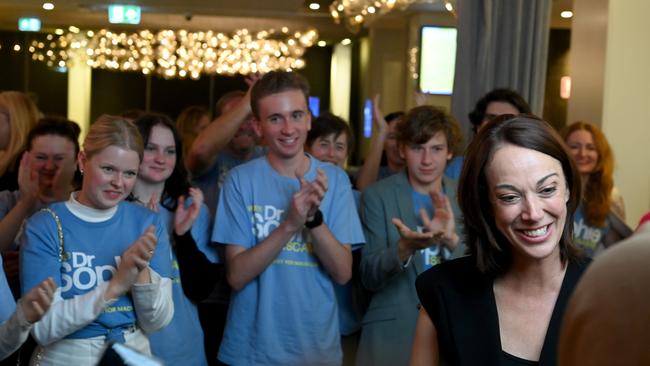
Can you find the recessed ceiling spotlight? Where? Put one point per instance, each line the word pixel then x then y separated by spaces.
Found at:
pixel 322 43
pixel 48 6
pixel 58 31
pixel 314 6
pixel 346 41
pixel 566 14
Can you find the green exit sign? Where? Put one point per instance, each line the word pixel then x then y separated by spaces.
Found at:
pixel 124 14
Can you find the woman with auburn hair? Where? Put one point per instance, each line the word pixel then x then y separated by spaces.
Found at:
pixel 18 114
pixel 599 218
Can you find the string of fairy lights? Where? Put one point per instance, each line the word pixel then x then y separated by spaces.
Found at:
pixel 355 14
pixel 177 53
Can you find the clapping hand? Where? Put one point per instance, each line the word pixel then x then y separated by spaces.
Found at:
pixel 307 200
pixel 185 216
pixel 28 180
pixel 134 261
pixel 439 229
pixel 38 300
pixel 61 184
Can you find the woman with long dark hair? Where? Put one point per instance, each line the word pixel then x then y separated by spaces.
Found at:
pixel 163 186
pixel 502 304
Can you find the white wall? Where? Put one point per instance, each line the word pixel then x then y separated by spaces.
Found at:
pixel 626 120
pixel 587 61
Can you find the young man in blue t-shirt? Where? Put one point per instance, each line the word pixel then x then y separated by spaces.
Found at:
pixel 287 221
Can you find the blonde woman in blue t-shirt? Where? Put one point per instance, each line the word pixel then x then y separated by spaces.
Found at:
pixel 110 258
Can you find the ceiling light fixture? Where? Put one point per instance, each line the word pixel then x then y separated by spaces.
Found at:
pixel 322 43
pixel 355 14
pixel 48 6
pixel 566 14
pixel 314 6
pixel 346 41
pixel 179 53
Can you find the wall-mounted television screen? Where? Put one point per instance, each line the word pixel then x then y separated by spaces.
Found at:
pixel 437 59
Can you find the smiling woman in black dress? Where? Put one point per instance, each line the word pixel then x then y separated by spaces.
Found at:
pixel 502 304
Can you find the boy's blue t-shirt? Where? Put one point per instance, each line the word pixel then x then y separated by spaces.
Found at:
pixel 288 314
pixel 587 237
pixel 7 303
pixel 433 255
pixel 455 167
pixel 181 341
pixel 92 252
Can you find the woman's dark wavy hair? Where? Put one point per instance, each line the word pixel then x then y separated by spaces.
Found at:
pixel 178 183
pixel 485 242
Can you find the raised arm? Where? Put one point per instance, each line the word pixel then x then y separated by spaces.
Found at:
pixel 370 169
pixel 217 134
pixel 25 207
pixel 199 275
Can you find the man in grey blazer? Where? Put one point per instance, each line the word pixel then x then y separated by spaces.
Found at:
pixel 411 222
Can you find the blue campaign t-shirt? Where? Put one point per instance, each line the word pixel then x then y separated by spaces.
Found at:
pixel 211 181
pixel 455 167
pixel 181 341
pixel 7 303
pixel 587 237
pixel 288 314
pixel 92 252
pixel 428 257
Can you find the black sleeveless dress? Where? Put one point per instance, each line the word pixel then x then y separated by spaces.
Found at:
pixel 460 301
